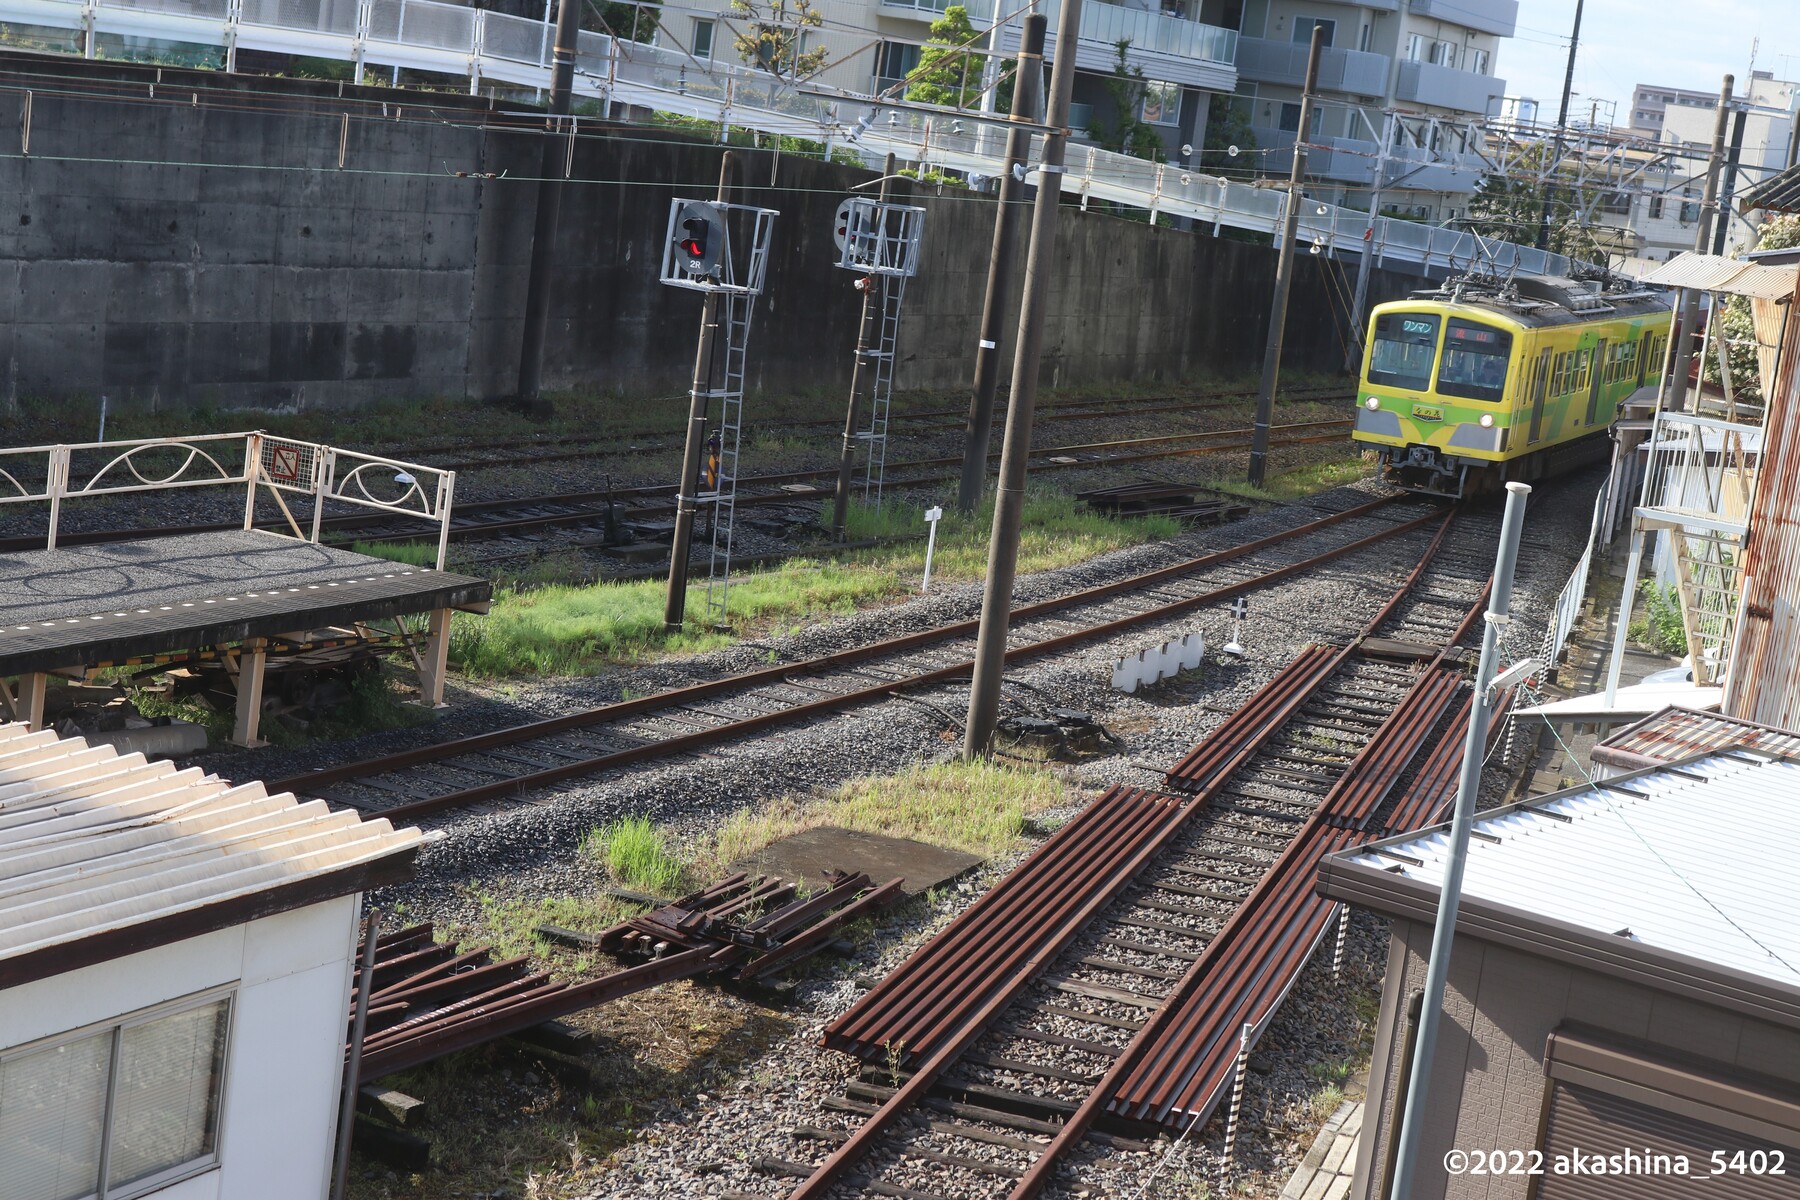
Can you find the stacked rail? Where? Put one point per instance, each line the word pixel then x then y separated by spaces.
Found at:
pixel 431 998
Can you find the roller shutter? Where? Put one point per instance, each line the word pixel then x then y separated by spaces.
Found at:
pixel 1593 1122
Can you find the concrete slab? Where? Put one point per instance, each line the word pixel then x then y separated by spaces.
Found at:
pixel 807 856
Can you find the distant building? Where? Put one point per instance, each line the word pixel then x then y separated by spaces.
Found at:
pixel 175 965
pixel 1649 103
pixel 1624 979
pixel 1518 112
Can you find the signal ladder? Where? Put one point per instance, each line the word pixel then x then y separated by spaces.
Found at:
pixel 881 390
pixel 735 311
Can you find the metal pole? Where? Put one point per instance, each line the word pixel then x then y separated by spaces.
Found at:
pixel 1562 121
pixel 862 371
pixel 340 1169
pixel 1690 303
pixel 1722 214
pixel 1632 567
pixel 1015 448
pixel 1237 1103
pixel 1413 1123
pixel 1284 270
pixel 549 206
pixel 687 499
pixel 1026 85
pixel 1353 360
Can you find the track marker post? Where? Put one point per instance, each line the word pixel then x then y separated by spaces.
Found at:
pixel 1237 1104
pixel 933 515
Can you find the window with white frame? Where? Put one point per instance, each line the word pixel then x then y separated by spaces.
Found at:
pixel 703 39
pixel 116 1110
pixel 1415 47
pixel 1443 53
pixel 1303 27
pixel 1162 103
pixel 1478 62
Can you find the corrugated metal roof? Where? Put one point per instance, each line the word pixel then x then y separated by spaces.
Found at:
pixel 1697 860
pixel 1716 273
pixel 1777 194
pixel 92 841
pixel 1677 733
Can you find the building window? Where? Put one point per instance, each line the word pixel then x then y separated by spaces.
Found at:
pixel 1690 212
pixel 1162 103
pixel 1290 118
pixel 1415 47
pixel 1480 63
pixel 1443 54
pixel 898 60
pixel 1656 208
pixel 703 39
pixel 1303 27
pixel 1368 35
pixel 137 1099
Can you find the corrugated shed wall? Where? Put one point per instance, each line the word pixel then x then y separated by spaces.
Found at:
pixel 1764 683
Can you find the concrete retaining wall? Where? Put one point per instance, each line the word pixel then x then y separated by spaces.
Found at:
pixel 195 238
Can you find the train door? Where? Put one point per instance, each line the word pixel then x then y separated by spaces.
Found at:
pixel 1540 386
pixel 1596 378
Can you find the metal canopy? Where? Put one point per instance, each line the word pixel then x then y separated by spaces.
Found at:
pixel 1776 194
pixel 1716 273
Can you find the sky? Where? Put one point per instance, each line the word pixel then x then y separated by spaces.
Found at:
pixel 1684 43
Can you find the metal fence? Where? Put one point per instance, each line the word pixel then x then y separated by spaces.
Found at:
pixel 1574 593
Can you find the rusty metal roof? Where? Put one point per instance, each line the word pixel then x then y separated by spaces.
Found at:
pixel 93 842
pixel 1777 194
pixel 1716 273
pixel 1677 733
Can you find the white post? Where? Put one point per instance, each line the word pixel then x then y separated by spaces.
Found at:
pixel 446 490
pixel 252 657
pixel 1237 1100
pixel 31 699
pixel 252 465
pixel 435 660
pixel 58 483
pixel 932 516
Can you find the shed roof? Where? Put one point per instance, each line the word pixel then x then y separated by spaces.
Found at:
pixel 1779 193
pixel 1716 273
pixel 104 854
pixel 1676 733
pixel 1695 861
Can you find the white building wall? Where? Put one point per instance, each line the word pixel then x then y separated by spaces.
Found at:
pixel 284 1065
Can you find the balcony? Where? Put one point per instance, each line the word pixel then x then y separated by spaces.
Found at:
pixel 1489 16
pixel 1352 160
pixel 1444 87
pixel 981 12
pixel 1354 71
pixel 1167 48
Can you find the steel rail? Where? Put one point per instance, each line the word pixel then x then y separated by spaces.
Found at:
pixel 1286 695
pixel 700 738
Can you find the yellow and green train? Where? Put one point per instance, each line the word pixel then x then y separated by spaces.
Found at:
pixel 1463 392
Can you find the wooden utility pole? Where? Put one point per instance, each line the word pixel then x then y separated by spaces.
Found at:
pixel 1690 297
pixel 549 207
pixel 687 492
pixel 1015 449
pixel 1284 270
pixel 1562 121
pixel 862 371
pixel 1027 83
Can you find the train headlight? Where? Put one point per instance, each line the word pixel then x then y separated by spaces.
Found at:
pixel 1487 420
pixel 1371 404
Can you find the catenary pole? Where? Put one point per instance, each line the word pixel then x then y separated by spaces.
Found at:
pixel 1015 448
pixel 862 373
pixel 1562 123
pixel 1690 297
pixel 1026 85
pixel 359 1023
pixel 687 494
pixel 1365 264
pixel 1284 271
pixel 1722 211
pixel 549 206
pixel 1412 1124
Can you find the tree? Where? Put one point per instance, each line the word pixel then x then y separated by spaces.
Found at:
pixel 949 73
pixel 1127 131
pixel 624 20
pixel 1737 323
pixel 1227 125
pixel 776 37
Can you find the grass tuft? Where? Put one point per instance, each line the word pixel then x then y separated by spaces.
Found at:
pixel 633 851
pixel 1302 481
pixel 417 554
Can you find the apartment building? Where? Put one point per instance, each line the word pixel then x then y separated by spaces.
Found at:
pixel 1186 49
pixel 1650 101
pixel 1665 217
pixel 1418 75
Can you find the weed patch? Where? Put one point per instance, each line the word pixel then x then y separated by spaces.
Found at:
pixel 1301 481
pixel 417 554
pixel 633 851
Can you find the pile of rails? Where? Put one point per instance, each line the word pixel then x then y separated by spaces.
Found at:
pixel 1179 500
pixel 430 998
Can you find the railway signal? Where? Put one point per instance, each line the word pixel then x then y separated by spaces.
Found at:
pixel 699 235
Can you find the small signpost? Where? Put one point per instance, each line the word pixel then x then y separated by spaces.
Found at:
pixel 933 515
pixel 1240 608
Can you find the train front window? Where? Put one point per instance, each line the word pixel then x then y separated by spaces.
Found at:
pixel 1405 346
pixel 1474 365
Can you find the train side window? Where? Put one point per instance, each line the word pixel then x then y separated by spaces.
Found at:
pixel 1404 348
pixel 1475 359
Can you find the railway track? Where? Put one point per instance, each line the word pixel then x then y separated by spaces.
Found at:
pixel 942 420
pixel 524 517
pixel 493 768
pixel 1107 980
